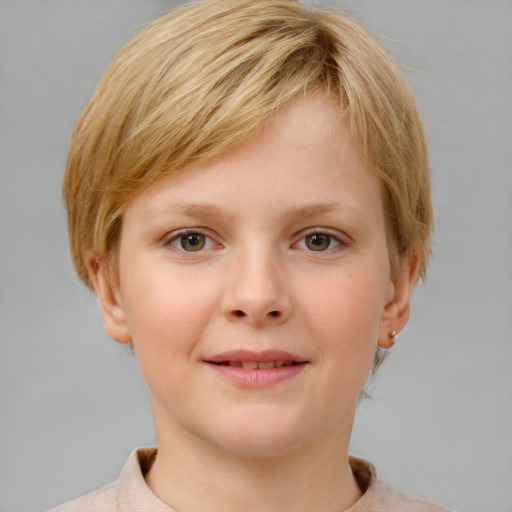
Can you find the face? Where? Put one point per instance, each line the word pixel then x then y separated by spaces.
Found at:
pixel 256 288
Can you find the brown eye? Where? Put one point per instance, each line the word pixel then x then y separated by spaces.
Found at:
pixel 318 241
pixel 192 241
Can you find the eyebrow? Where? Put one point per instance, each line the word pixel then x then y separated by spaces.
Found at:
pixel 316 210
pixel 187 209
pixel 202 210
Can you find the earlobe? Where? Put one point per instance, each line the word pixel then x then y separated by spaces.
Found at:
pixel 111 306
pixel 396 312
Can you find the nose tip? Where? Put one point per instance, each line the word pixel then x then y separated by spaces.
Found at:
pixel 256 301
pixel 238 313
pixel 256 289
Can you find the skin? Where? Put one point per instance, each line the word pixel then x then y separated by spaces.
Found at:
pixel 257 284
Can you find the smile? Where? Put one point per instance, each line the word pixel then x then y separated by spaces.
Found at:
pixel 249 369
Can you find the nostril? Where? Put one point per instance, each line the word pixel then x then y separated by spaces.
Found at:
pixel 274 313
pixel 239 313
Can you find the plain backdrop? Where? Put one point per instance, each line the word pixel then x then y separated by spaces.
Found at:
pixel 72 404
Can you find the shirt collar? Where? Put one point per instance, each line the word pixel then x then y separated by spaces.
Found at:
pixel 134 495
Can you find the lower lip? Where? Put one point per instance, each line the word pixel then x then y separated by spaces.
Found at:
pixel 250 378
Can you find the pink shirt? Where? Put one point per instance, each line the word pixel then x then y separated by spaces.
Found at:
pixel 131 494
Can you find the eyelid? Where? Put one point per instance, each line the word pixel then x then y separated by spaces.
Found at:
pixel 341 239
pixel 175 236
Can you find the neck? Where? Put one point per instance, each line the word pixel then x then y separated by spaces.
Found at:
pixel 191 475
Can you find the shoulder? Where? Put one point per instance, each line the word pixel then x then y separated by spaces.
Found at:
pixel 388 498
pixel 129 490
pixel 104 499
pixel 381 497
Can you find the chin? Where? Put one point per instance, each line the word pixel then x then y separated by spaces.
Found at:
pixel 258 447
pixel 258 439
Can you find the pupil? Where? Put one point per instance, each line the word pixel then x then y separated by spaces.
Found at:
pixel 193 241
pixel 318 241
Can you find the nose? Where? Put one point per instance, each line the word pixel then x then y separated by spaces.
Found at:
pixel 256 292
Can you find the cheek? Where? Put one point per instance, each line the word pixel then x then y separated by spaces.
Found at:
pixel 166 321
pixel 345 318
pixel 167 314
pixel 349 303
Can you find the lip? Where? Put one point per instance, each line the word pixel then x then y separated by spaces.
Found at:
pixel 250 355
pixel 256 378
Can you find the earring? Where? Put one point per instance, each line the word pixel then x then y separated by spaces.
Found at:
pixel 393 335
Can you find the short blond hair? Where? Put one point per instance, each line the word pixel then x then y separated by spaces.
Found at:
pixel 203 78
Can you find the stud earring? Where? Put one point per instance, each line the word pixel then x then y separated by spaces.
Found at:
pixel 393 335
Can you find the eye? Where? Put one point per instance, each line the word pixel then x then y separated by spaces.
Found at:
pixel 319 241
pixel 191 241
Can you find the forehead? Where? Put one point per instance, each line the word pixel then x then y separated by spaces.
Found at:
pixel 304 157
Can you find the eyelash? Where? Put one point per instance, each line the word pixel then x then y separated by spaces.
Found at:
pixel 177 239
pixel 338 242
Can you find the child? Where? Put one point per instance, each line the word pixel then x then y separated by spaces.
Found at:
pixel 248 195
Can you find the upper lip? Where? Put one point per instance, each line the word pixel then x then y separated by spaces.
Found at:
pixel 250 355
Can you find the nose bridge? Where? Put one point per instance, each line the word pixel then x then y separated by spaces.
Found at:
pixel 256 291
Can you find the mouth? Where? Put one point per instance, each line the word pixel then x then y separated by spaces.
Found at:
pixel 257 365
pixel 257 369
pixel 249 360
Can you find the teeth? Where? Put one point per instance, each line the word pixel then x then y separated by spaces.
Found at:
pixel 261 365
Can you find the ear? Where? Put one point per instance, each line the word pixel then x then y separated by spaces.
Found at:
pixel 396 312
pixel 111 306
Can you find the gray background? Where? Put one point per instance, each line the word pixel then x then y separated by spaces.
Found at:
pixel 72 405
